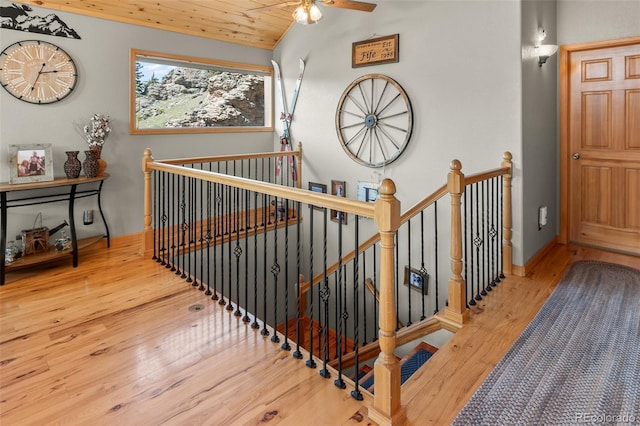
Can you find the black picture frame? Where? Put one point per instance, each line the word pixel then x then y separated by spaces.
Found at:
pixel 317 187
pixel 416 280
pixel 339 189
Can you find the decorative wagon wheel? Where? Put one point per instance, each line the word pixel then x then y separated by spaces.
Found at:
pixel 374 120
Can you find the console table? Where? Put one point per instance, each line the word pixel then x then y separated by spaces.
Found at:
pixel 59 189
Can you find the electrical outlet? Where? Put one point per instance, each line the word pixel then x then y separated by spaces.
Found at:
pixel 542 217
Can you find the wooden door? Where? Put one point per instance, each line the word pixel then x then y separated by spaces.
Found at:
pixel 603 147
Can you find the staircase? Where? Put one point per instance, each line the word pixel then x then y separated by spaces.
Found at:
pixel 305 337
pixel 409 364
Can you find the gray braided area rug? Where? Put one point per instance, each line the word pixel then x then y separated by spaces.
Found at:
pixel 577 362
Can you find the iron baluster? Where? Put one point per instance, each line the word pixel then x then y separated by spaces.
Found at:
pixel 356 394
pixel 409 322
pixel 478 242
pixel 224 231
pixel 364 298
pixel 286 346
pixel 498 228
pixel 337 311
pixel 345 313
pixel 172 222
pixel 229 234
pixel 237 251
pixel 375 289
pixel 465 241
pixel 216 233
pixel 324 296
pixel 423 270
pixel 192 231
pixel 270 181
pixel 437 276
pixel 201 239
pixel 163 220
pixel 310 362
pixel 265 204
pixel 472 301
pixel 155 220
pixel 491 234
pixel 209 237
pixel 297 354
pixel 247 199
pixel 255 325
pixel 185 227
pixel 484 235
pixel 339 382
pixel 275 270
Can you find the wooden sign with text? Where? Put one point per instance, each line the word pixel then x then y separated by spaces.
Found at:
pixel 375 51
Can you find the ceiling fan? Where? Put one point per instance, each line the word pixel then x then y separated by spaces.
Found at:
pixel 308 12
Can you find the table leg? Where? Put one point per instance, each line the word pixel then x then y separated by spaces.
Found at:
pixel 72 225
pixel 3 235
pixel 106 227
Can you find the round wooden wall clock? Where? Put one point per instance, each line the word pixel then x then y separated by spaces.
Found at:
pixel 36 71
pixel 374 120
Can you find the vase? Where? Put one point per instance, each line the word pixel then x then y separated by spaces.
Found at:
pixel 102 165
pixel 90 164
pixel 72 166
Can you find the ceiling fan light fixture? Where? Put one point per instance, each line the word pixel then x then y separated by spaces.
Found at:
pixel 307 13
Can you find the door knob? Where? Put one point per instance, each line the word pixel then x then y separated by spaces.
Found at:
pixel 576 155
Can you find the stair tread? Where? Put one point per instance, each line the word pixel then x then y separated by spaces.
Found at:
pixel 409 364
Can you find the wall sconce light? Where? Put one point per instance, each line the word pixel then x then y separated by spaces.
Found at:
pixel 544 50
pixel 307 13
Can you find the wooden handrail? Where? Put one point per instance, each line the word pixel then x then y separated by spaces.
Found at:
pixel 346 205
pixel 229 157
pixel 489 174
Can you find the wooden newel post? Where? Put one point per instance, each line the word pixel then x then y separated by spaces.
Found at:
pixel 457 309
pixel 299 169
pixel 387 407
pixel 506 214
pixel 147 235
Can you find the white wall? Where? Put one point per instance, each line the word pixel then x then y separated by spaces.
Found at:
pixel 102 58
pixel 460 64
pixel 581 21
pixel 539 127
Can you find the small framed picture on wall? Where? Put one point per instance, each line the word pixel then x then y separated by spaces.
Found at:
pixel 416 280
pixel 317 187
pixel 338 188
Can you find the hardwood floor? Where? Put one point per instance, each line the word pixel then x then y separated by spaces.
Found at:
pixel 114 342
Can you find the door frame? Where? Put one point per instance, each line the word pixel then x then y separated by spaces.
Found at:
pixel 565 96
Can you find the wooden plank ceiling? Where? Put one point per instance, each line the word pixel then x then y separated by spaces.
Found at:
pixel 225 20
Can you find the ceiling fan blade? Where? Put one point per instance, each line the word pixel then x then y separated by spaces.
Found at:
pixel 274 6
pixel 350 4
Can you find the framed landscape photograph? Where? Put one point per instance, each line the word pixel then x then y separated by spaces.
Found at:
pixel 30 163
pixel 317 187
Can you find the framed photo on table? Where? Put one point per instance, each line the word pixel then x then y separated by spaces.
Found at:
pixel 30 163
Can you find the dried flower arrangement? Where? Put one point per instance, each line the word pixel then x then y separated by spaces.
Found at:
pixel 96 132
